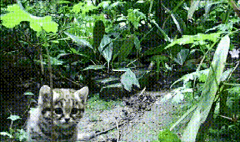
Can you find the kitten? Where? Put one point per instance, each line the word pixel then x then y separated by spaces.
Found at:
pixel 68 106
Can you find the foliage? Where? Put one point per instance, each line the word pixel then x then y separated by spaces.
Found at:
pixel 128 79
pixel 15 134
pixel 167 136
pixel 92 39
pixel 16 15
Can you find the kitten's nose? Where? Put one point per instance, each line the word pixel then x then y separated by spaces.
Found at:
pixel 67 119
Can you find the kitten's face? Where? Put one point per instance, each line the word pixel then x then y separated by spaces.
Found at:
pixel 68 105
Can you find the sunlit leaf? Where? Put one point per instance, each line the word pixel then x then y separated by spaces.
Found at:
pixel 77 7
pixel 176 23
pixel 209 91
pixel 16 15
pixel 168 136
pixel 6 134
pixel 134 16
pixel 193 8
pixel 28 94
pixel 14 117
pixel 226 74
pixel 128 79
pixel 62 2
pixel 188 39
pixel 21 135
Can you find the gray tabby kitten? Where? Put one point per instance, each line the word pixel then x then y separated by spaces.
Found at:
pixel 68 107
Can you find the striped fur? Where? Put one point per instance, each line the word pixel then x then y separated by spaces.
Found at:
pixel 68 107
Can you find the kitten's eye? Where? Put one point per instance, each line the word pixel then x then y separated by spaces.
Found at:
pixel 58 111
pixel 74 111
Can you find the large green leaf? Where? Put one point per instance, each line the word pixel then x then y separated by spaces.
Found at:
pixel 16 15
pixel 106 48
pixel 209 92
pixel 128 79
pixel 126 48
pixel 98 32
pixel 188 39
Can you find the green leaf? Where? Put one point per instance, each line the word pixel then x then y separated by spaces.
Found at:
pixel 226 74
pixel 193 8
pixel 137 43
pixel 166 37
pixel 128 79
pixel 28 94
pixel 55 61
pixel 168 136
pixel 98 32
pixel 187 39
pixel 106 48
pixel 94 67
pixel 16 15
pixel 195 125
pixel 62 2
pixel 21 135
pixel 191 76
pixel 77 7
pixel 81 42
pixel 182 56
pixel 134 16
pixel 14 117
pixel 6 134
pixel 83 7
pixel 126 48
pixel 209 92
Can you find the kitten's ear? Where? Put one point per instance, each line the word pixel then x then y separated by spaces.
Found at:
pixel 44 94
pixel 82 94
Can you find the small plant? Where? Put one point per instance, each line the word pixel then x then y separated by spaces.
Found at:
pixel 14 134
pixel 167 136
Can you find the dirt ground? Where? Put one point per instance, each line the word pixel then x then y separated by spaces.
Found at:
pixel 139 118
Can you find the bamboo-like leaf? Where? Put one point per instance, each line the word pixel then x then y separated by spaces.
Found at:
pixel 208 94
pixel 79 41
pixel 94 67
pixel 188 39
pixel 194 6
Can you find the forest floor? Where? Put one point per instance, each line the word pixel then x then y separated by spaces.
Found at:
pixel 138 118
